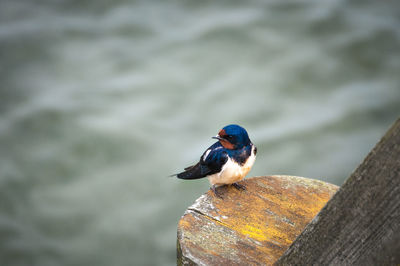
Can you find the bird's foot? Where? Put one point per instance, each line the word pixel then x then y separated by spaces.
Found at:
pixel 214 189
pixel 239 187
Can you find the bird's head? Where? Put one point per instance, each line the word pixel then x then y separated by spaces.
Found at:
pixel 233 137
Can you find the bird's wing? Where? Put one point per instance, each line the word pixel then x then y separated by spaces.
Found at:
pixel 190 167
pixel 210 163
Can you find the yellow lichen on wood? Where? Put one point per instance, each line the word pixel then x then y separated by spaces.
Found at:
pixel 252 226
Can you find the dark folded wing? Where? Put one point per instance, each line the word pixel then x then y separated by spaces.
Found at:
pixel 195 172
pixel 207 166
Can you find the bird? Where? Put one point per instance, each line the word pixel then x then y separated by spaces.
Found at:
pixel 227 161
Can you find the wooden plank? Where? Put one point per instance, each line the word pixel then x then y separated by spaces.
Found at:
pixel 249 227
pixel 360 225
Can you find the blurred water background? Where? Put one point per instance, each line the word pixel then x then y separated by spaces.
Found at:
pixel 101 100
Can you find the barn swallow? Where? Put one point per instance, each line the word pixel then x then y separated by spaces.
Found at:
pixel 225 162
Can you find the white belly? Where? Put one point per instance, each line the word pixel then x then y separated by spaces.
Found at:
pixel 232 172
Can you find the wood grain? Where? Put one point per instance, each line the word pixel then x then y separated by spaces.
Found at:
pixel 249 227
pixel 360 225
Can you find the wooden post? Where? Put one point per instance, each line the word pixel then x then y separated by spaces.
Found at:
pixel 360 225
pixel 249 227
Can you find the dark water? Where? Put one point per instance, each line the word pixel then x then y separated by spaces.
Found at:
pixel 101 100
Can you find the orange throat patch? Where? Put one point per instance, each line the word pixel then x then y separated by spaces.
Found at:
pixel 227 145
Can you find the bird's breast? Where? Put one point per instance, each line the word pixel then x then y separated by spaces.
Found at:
pixel 232 171
pixel 250 161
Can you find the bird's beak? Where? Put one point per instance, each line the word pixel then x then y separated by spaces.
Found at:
pixel 218 137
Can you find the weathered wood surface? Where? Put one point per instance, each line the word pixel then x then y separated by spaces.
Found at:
pixel 360 225
pixel 249 227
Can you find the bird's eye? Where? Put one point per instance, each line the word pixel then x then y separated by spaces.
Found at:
pixel 229 137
